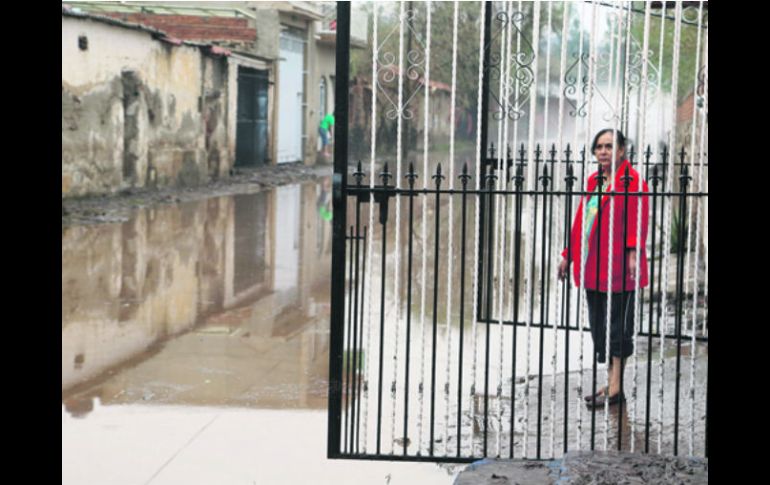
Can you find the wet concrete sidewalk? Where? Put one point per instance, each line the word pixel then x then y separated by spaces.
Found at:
pixel 169 445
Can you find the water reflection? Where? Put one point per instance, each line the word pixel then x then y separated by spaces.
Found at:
pixel 221 301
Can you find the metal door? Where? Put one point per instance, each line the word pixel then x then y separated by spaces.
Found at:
pixel 251 135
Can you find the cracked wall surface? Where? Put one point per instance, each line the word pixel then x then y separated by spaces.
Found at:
pixel 138 112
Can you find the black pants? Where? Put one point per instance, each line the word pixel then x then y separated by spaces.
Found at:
pixel 621 322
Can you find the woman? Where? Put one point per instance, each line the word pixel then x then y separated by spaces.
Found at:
pixel 590 242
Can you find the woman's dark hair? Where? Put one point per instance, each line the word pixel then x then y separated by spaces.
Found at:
pixel 620 139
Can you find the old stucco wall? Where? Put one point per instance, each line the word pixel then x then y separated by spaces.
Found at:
pixel 268 29
pixel 137 112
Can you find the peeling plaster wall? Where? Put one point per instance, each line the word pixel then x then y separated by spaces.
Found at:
pixel 215 117
pixel 137 112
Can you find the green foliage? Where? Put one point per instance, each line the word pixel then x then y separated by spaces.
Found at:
pixel 442 18
pixel 679 231
pixel 688 48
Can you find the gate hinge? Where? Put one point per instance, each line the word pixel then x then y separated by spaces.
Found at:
pixel 337 187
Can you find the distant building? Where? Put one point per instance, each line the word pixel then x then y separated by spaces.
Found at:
pixel 181 93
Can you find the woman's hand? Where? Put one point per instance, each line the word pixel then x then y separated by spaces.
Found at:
pixel 631 255
pixel 562 271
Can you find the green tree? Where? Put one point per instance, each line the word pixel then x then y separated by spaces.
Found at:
pixel 687 49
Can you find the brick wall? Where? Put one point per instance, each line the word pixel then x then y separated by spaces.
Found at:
pixel 190 27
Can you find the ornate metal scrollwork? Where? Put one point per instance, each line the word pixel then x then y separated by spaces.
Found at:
pixel 701 80
pixel 571 89
pixel 388 71
pixel 636 68
pixel 520 76
pixel 690 14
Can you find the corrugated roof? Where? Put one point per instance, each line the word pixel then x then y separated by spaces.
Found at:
pixel 68 10
pixel 161 9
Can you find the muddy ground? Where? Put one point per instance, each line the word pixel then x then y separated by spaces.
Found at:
pixel 118 207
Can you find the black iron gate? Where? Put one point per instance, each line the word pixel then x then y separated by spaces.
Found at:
pixel 445 275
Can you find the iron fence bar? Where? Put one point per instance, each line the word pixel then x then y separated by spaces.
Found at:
pixel 661 306
pixel 404 23
pixel 518 179
pixel 582 228
pixel 581 311
pixel 384 222
pixel 361 340
pixel 684 179
pixel 570 179
pixel 423 226
pixel 410 177
pixel 692 213
pixel 450 249
pixel 543 277
pixel 670 208
pixel 547 279
pixel 437 178
pixel 464 178
pixel 655 180
pixel 485 78
pixel 500 212
pixel 489 179
pixel 346 396
pixel 482 118
pixel 624 300
pixel 338 244
pixel 358 176
pixel 370 246
pixel 599 302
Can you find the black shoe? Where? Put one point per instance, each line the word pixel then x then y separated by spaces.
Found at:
pixel 600 400
pixel 600 392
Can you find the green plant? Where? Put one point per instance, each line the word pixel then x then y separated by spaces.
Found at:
pixel 679 231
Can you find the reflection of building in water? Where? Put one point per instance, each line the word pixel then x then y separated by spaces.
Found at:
pixel 246 266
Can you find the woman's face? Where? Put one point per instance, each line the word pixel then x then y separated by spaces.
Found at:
pixel 603 152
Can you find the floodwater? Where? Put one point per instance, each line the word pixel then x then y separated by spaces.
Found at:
pixel 195 347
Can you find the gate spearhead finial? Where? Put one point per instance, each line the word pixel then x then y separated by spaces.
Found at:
pixel 464 177
pixel 385 175
pixel 626 178
pixel 570 178
pixel 410 176
pixel 545 178
pixel 359 173
pixel 438 177
pixel 655 177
